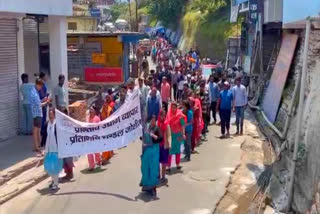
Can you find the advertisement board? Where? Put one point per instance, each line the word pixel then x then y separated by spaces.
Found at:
pixel 109 76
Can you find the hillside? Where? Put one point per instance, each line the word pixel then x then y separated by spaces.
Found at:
pixel 204 23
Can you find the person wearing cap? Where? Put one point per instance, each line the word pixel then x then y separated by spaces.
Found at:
pixel 240 100
pixel 224 107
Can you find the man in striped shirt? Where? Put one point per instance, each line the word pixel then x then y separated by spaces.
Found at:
pixel 36 110
pixel 205 103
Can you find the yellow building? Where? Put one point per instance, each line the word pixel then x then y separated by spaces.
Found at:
pixel 82 24
pixel 82 21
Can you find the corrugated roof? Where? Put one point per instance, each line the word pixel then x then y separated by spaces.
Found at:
pixel 103 33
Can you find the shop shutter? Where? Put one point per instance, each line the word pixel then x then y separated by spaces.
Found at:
pixel 9 100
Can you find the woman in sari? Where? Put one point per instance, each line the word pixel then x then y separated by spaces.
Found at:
pixel 176 119
pixel 93 159
pixel 150 157
pixel 107 108
pixel 165 144
pixel 197 122
pixel 106 111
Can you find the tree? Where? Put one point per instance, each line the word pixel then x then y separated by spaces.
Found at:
pixel 208 6
pixel 167 11
pixel 119 10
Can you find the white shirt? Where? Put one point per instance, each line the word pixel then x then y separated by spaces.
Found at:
pixel 181 83
pixel 51 143
pixel 240 95
pixel 60 92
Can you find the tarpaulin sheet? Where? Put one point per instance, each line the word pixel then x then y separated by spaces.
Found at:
pixel 279 76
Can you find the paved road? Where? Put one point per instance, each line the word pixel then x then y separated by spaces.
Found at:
pixel 115 189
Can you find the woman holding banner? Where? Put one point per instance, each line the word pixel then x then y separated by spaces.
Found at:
pixel 106 111
pixel 150 158
pixel 52 164
pixel 93 159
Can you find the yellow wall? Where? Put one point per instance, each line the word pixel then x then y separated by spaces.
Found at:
pixel 83 23
pixel 111 47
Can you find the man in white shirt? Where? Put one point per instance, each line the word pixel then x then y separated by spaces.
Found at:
pixel 61 95
pixel 240 99
pixel 143 94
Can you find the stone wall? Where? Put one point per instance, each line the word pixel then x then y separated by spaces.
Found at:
pixel 307 174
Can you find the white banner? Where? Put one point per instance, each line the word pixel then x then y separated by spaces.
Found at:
pixel 77 138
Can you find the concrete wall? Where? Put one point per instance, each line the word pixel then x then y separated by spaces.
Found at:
pixel 273 11
pixel 307 174
pixel 45 7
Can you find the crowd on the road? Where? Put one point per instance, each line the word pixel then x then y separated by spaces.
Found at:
pixel 37 104
pixel 178 103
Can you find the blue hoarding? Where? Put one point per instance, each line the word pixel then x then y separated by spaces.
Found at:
pixel 95 12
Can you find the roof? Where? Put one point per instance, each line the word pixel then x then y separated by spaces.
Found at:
pixel 301 24
pixel 105 33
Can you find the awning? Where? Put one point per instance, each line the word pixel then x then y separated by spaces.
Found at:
pixel 131 38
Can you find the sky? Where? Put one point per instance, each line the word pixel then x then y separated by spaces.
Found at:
pixel 294 10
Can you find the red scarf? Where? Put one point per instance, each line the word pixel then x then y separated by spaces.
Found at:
pixel 174 120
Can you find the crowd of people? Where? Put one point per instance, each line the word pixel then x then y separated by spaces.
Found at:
pixel 178 103
pixel 37 104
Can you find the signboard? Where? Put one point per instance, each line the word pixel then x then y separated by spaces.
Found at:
pixel 77 138
pixel 95 12
pixel 99 58
pixel 104 75
pixel 279 76
pixel 253 10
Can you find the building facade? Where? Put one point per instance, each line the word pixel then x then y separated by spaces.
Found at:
pixel 20 51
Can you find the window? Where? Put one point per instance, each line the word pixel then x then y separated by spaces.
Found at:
pixel 72 26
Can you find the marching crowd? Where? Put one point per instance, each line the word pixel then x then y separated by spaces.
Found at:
pixel 177 101
pixel 177 105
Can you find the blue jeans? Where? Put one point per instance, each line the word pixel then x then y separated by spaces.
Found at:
pixel 27 120
pixel 239 118
pixel 225 116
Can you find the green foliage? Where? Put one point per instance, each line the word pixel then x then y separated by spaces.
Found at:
pixel 119 10
pixel 206 25
pixel 167 11
pixel 207 6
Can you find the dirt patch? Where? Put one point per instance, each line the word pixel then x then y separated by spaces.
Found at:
pixel 244 193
